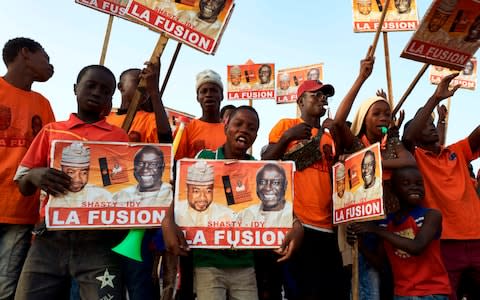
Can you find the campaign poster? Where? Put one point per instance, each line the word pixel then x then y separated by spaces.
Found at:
pixel 251 81
pixel 357 187
pixel 288 81
pixel 448 36
pixel 401 15
pixel 115 8
pixel 176 117
pixel 467 79
pixel 234 204
pixel 197 23
pixel 113 185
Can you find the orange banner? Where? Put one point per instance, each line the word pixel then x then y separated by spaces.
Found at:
pixel 251 81
pixel 288 81
pixel 401 15
pixel 448 36
pixel 230 197
pixel 467 77
pixel 357 187
pixel 111 184
pixel 197 23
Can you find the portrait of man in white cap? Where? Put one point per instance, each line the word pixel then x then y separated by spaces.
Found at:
pixel 273 209
pixel 235 84
pixel 199 207
pixel 75 162
pixel 341 197
pixel 148 167
pixel 284 87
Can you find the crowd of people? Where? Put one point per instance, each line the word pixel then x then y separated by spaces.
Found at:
pixel 428 247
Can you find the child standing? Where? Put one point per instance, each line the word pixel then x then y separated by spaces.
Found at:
pixel 57 256
pixel 411 241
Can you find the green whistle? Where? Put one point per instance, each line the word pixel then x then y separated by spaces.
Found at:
pixel 384 130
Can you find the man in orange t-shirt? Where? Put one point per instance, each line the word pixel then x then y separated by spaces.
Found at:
pixel 448 188
pixel 22 113
pixel 318 261
pixel 208 131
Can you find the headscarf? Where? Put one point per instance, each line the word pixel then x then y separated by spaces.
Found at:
pixel 362 112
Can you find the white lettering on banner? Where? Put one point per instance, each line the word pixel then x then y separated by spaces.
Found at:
pixel 90 2
pixel 247 237
pixel 113 8
pixel 109 217
pixel 72 218
pixel 145 15
pixel 182 32
pixel 437 53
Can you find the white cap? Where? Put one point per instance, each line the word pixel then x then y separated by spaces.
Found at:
pixel 340 174
pixel 208 76
pixel 236 70
pixel 200 173
pixel 76 155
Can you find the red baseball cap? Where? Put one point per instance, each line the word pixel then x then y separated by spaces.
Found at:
pixel 315 85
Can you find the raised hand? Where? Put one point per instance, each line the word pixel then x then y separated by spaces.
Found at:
pixel 443 91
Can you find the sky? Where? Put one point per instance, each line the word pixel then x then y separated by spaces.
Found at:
pixel 287 33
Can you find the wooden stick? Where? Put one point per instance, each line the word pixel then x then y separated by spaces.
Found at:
pixel 379 28
pixel 355 278
pixel 132 109
pixel 410 89
pixel 106 40
pixel 170 68
pixel 387 68
pixel 446 120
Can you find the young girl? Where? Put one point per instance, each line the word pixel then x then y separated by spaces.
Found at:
pixel 411 238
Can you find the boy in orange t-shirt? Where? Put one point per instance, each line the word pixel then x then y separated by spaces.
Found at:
pixel 448 187
pixel 23 112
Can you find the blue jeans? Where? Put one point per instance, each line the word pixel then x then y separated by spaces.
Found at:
pixel 14 243
pixel 369 280
pixel 429 297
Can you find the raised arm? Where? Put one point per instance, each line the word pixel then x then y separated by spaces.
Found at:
pixel 366 68
pixel 474 139
pixel 412 132
pixel 151 75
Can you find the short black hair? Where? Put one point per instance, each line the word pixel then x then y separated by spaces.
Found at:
pixel 96 67
pixel 225 108
pixel 128 71
pixel 149 148
pixel 244 107
pixel 13 47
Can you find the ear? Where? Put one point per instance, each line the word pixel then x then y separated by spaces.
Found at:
pixel 221 97
pixel 75 89
pixel 119 86
pixel 25 53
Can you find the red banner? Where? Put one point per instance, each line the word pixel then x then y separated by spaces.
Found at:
pixel 114 217
pixel 231 237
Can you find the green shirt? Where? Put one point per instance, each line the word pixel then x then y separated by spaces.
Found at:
pixel 222 259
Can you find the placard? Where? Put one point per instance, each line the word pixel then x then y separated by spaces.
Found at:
pixel 113 185
pixel 251 81
pixel 234 204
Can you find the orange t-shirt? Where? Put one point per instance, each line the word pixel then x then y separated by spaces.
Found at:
pixel 38 155
pixel 449 189
pixel 143 129
pixel 313 186
pixel 22 115
pixel 199 135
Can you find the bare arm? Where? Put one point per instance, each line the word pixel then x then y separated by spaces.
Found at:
pixel 366 68
pixel 441 125
pixel 52 181
pixel 275 151
pixel 474 139
pixel 174 239
pixel 430 228
pixel 151 74
pixel 411 134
